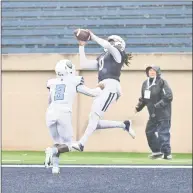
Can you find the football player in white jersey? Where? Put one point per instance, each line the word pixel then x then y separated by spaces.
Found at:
pixel 108 65
pixel 62 91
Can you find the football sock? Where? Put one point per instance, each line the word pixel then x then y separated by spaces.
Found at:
pixel 92 124
pixel 55 160
pixel 105 124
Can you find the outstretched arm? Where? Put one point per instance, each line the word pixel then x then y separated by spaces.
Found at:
pixel 87 91
pixel 84 62
pixel 105 44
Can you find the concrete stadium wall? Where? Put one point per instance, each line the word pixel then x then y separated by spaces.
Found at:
pixel 24 102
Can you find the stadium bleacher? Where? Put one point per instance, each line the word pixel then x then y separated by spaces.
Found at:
pixel 47 26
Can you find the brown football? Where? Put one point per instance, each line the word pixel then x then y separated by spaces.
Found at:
pixel 82 34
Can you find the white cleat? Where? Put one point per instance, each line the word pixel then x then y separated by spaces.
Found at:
pixel 128 128
pixel 156 155
pixel 48 158
pixel 77 147
pixel 55 170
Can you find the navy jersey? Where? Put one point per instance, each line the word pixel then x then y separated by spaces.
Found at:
pixel 108 67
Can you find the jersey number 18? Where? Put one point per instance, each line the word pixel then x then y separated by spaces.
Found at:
pixel 59 92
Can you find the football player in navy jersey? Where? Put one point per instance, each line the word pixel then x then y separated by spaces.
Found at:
pixel 109 65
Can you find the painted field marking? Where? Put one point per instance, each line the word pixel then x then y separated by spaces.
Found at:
pixel 101 166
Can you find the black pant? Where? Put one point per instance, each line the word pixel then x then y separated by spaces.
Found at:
pixel 159 142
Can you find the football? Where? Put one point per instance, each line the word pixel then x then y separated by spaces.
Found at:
pixel 82 34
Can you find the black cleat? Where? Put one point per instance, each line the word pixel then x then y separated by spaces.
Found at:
pixel 128 128
pixel 167 157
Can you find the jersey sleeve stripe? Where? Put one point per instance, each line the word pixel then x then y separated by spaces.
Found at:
pixel 82 81
pixel 88 94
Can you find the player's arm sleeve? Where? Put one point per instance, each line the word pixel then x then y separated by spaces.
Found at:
pixel 86 63
pixel 166 96
pixel 87 91
pixel 105 44
pixel 81 88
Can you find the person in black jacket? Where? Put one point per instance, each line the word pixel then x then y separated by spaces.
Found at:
pixel 157 96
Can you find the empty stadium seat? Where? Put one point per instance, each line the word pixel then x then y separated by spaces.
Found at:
pixel 47 26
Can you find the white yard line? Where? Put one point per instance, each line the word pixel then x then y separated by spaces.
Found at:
pixel 113 160
pixel 64 160
pixel 179 161
pixel 7 160
pixel 98 166
pixel 141 160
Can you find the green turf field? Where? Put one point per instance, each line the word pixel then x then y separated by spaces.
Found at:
pixel 27 157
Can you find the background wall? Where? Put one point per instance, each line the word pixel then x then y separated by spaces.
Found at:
pixel 24 102
pixel 46 28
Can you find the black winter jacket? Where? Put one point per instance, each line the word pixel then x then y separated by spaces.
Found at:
pixel 159 104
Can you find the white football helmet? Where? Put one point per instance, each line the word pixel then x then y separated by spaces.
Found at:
pixel 117 42
pixel 64 67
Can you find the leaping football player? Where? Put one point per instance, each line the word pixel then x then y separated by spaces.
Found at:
pixel 109 65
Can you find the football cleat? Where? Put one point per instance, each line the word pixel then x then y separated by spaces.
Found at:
pixel 156 155
pixel 167 157
pixel 48 158
pixel 128 128
pixel 55 170
pixel 78 146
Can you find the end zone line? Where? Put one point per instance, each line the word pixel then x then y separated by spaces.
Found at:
pixel 101 166
pixel 7 160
